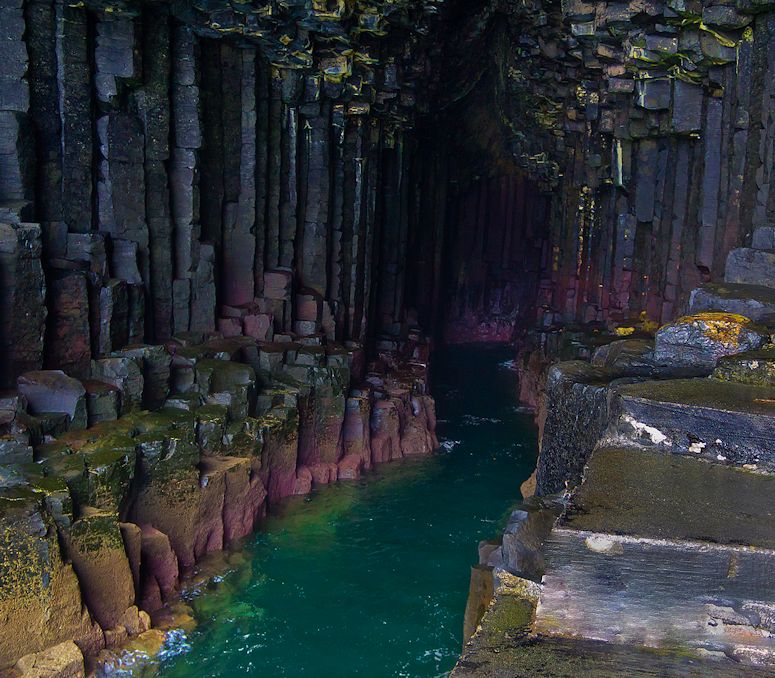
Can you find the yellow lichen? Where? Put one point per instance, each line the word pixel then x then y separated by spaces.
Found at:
pixel 725 328
pixel 624 331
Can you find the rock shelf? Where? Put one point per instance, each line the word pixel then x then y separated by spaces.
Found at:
pixel 101 522
pixel 659 537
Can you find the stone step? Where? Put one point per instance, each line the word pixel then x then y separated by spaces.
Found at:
pixel 752 301
pixel 659 593
pixel 750 266
pixel 763 238
pixel 707 418
pixel 532 657
pixel 654 494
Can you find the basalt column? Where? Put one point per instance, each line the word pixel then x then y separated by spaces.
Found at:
pixel 205 224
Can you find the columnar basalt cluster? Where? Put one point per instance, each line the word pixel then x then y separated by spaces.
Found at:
pixel 186 446
pixel 204 235
pixel 648 123
pixel 651 528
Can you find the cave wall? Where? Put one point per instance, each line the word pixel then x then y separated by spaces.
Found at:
pixel 496 252
pixel 649 127
pixel 175 167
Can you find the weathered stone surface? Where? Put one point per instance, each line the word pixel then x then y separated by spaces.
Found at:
pixel 666 496
pixel 159 571
pixel 706 418
pixel 155 363
pixel 752 301
pixel 654 593
pixel 576 402
pixel 96 549
pixel 751 267
pixel 756 368
pixel 102 401
pixel 700 340
pixel 70 334
pixel 125 375
pixel 60 661
pixel 37 582
pixel 22 299
pixel 54 391
pixel 763 238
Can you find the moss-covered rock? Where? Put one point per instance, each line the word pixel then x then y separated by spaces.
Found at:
pixel 756 368
pixel 95 547
pixel 40 599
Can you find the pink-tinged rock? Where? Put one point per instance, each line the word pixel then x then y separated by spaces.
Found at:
pixel 243 500
pixel 303 481
pixel 350 467
pixel 159 571
pixel 94 545
pixel 277 285
pixel 324 473
pixel 356 432
pixel 309 306
pixel 321 415
pixel 419 425
pixel 281 442
pixel 385 431
pixel 132 536
pixel 230 327
pixel 258 326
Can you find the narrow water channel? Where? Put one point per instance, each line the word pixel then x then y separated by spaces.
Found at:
pixel 371 578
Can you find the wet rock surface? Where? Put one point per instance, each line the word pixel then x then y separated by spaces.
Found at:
pixel 113 515
pixel 665 529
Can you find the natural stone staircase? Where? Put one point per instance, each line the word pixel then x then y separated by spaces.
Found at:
pixel 661 561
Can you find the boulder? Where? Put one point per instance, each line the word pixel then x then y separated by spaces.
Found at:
pixel 54 391
pixel 60 661
pixel 700 340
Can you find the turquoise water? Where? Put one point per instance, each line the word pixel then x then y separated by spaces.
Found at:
pixel 371 578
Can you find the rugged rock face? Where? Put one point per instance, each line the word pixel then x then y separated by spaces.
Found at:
pixel 223 224
pixel 102 519
pixel 660 525
pixel 204 233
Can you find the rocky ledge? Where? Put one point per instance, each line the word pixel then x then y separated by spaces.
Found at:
pixel 114 487
pixel 649 543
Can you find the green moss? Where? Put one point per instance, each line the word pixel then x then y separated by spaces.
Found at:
pixel 96 532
